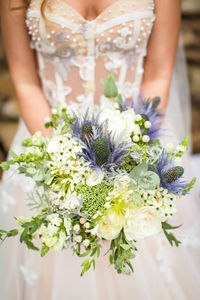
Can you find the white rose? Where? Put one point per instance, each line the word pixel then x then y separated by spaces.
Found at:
pixel 110 225
pixel 95 178
pixel 141 222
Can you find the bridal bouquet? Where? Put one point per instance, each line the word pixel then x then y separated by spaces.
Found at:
pixel 101 175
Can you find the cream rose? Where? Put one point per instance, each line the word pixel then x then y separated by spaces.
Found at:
pixel 110 225
pixel 141 222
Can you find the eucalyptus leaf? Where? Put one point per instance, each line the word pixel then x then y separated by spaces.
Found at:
pixel 149 180
pixel 137 171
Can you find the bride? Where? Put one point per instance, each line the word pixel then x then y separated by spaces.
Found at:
pixel 57 51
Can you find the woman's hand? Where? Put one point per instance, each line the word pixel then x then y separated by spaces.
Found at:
pixel 23 67
pixel 158 67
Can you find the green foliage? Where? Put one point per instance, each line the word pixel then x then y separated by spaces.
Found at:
pixel 44 250
pixel 101 151
pixel 6 234
pixel 173 174
pixel 122 251
pixel 110 90
pixel 92 252
pixel 146 179
pixel 171 238
pixel 128 164
pixel 94 197
pixel 189 186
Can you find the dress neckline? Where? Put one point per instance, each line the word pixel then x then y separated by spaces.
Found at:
pixel 98 16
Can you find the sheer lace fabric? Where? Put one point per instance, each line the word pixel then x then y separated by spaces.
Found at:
pixel 73 54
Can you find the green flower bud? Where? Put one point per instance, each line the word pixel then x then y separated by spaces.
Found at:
pixel 101 151
pixel 173 174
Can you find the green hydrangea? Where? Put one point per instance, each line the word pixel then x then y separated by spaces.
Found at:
pixel 128 164
pixel 94 197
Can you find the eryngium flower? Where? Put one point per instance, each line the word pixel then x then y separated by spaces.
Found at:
pixel 170 175
pixel 102 149
pixel 84 128
pixel 148 109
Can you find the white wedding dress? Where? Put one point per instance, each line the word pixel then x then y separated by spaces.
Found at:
pixel 73 55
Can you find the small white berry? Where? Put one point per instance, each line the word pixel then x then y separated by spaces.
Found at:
pixel 76 228
pixel 147 124
pixel 87 225
pixel 86 243
pixel 145 138
pixel 78 239
pixel 138 118
pixel 136 138
pixel 82 220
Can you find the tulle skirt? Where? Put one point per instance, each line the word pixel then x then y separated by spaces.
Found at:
pixel 161 271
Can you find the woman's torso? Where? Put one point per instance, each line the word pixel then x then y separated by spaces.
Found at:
pixel 74 54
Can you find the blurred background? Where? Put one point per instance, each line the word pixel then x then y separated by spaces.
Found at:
pixel 9 112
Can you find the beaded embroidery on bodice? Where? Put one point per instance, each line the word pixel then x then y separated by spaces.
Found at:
pixel 74 53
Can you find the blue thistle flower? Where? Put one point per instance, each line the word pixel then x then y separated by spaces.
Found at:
pixel 102 149
pixel 170 175
pixel 148 109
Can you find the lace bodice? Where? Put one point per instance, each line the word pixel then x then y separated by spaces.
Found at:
pixel 75 53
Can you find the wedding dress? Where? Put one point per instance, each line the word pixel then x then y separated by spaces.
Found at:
pixel 73 54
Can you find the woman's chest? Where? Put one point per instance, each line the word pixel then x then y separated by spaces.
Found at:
pixel 122 25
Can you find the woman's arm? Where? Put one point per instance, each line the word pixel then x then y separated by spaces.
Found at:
pixel 23 68
pixel 158 66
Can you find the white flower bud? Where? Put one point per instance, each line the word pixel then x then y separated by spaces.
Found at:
pixel 147 124
pixel 86 243
pixel 87 225
pixel 82 220
pixel 145 138
pixel 138 117
pixel 76 228
pixel 136 138
pixel 78 239
pixel 47 119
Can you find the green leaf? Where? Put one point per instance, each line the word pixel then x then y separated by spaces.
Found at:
pixel 149 180
pixel 125 246
pixel 137 171
pixel 171 238
pixel 5 165
pixel 24 234
pixel 12 232
pixel 111 259
pixel 30 245
pixel 167 226
pixel 189 187
pixel 12 154
pixel 44 250
pixel 110 90
pixel 84 253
